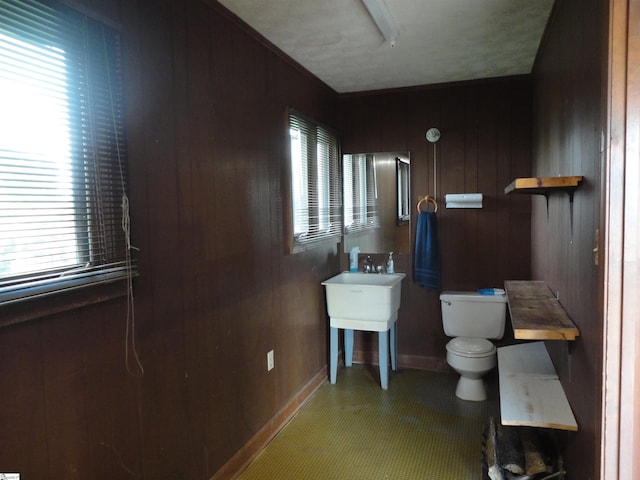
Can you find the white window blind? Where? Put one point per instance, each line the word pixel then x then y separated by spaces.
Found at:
pixel 360 194
pixel 63 206
pixel 315 183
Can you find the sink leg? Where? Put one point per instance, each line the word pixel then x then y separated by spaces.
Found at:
pixel 333 353
pixel 348 347
pixel 394 344
pixel 383 358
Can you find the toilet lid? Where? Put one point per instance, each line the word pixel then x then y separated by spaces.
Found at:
pixel 471 347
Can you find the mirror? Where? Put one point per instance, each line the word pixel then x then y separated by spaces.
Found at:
pixel 376 198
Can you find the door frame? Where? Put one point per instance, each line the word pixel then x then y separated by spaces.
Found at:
pixel 620 433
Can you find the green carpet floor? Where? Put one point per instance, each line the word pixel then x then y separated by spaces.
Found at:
pixel 416 430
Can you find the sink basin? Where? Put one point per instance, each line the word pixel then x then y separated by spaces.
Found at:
pixel 363 301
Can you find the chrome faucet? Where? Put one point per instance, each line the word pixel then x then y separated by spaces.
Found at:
pixel 370 267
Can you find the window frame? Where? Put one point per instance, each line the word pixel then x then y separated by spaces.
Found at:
pixel 403 175
pixel 31 295
pixel 315 204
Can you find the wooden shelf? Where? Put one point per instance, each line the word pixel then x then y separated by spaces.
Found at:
pixel 543 185
pixel 536 314
pixel 530 392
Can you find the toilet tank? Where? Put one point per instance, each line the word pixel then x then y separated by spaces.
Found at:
pixel 469 314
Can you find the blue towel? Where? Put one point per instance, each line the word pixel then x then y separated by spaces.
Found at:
pixel 427 257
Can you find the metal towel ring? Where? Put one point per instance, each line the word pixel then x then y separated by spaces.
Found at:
pixel 428 199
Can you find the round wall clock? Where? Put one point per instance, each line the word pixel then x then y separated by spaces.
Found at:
pixel 433 135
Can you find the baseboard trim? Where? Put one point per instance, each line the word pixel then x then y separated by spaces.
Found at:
pixel 414 362
pixel 243 457
pixel 418 362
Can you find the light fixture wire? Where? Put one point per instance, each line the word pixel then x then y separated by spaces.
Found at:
pixel 435 176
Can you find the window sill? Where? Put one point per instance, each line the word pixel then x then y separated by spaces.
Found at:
pixel 299 247
pixel 32 309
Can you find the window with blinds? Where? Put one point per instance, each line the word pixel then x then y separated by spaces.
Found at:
pixel 360 193
pixel 63 204
pixel 315 183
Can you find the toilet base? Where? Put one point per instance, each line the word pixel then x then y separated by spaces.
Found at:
pixel 472 389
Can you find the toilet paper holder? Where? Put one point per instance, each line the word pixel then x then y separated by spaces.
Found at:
pixel 463 200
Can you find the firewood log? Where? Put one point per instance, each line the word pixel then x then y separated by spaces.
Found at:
pixel 494 469
pixel 509 453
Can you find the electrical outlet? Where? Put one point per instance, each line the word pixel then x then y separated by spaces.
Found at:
pixel 270 361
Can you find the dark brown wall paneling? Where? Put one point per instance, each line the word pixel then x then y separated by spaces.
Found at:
pixel 69 408
pixel 568 89
pixel 486 128
pixel 207 143
pixel 24 443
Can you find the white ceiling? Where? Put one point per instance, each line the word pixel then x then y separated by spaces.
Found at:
pixel 440 40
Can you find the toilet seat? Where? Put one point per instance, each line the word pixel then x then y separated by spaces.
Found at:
pixel 471 347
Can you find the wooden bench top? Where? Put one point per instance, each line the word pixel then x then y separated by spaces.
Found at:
pixel 530 392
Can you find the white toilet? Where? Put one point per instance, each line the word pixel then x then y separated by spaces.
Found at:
pixel 472 319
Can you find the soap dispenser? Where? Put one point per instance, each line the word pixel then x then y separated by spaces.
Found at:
pixel 390 268
pixel 353 259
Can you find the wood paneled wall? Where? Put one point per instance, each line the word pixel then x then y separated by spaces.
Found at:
pixel 569 81
pixel 207 144
pixel 485 143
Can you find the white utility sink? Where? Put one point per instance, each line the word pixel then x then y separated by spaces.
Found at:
pixel 363 301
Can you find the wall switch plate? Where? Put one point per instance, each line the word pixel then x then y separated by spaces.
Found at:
pixel 270 361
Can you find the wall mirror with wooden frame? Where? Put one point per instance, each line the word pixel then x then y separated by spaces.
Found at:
pixel 376 199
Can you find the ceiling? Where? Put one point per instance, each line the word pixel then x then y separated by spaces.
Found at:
pixel 439 40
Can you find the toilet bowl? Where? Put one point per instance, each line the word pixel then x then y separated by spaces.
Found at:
pixel 472 319
pixel 472 358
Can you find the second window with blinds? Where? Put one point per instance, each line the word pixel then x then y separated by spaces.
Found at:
pixel 316 203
